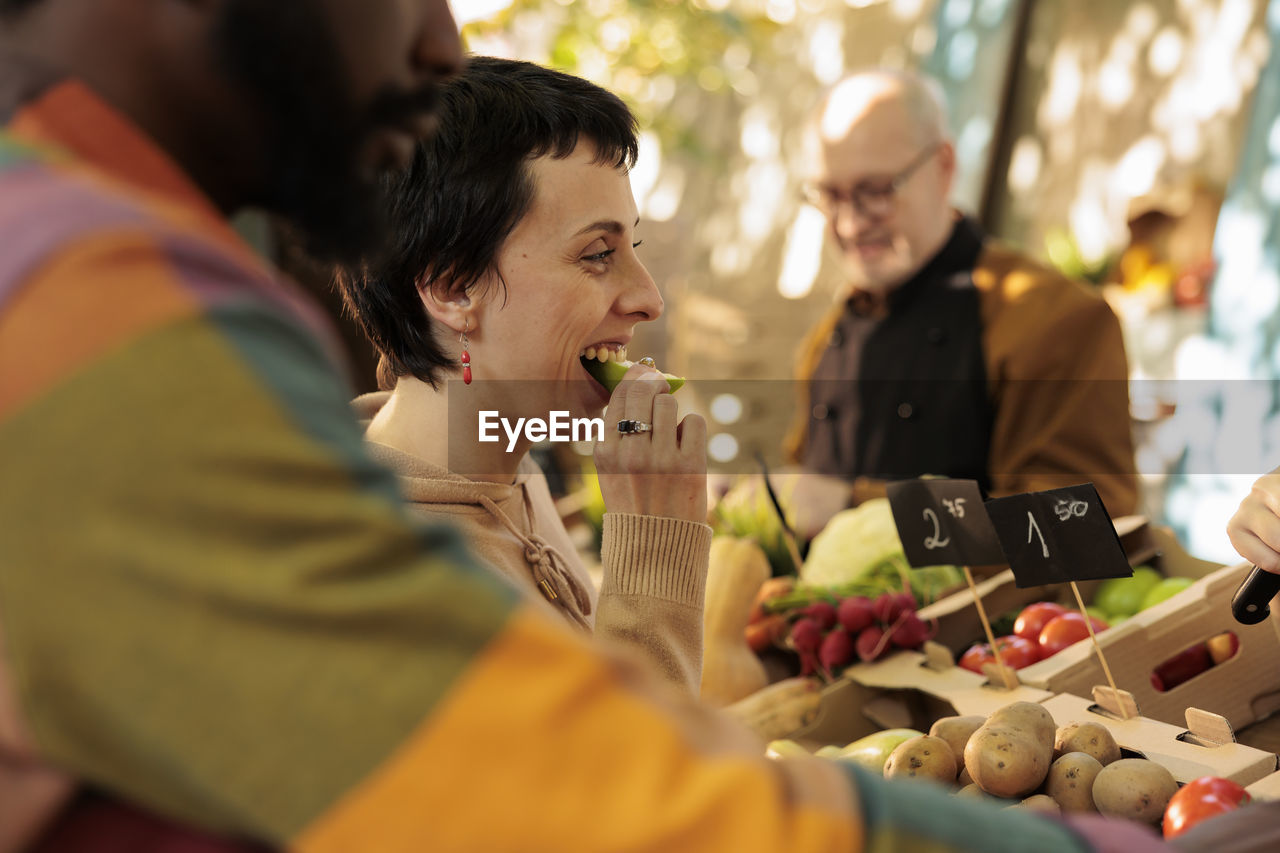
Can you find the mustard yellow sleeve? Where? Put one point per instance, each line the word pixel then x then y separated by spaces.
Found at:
pixel 1059 382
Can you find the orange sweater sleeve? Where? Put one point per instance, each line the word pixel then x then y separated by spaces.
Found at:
pixel 1059 381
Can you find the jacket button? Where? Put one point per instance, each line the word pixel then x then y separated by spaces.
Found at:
pixel 905 410
pixel 936 335
pixel 821 412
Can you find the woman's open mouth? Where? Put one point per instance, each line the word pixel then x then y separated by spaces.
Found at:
pixel 604 352
pixel 596 355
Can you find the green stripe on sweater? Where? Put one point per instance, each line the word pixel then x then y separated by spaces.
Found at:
pixel 908 816
pixel 198 600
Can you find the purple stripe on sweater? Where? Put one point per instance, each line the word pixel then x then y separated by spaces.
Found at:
pixel 217 277
pixel 41 211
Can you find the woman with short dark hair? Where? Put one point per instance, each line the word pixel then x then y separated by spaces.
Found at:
pixel 513 266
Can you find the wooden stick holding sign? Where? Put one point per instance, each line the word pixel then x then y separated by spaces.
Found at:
pixel 1106 668
pixel 1007 678
pixel 942 521
pixel 1062 536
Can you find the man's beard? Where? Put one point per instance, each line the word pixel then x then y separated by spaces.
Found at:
pixel 286 59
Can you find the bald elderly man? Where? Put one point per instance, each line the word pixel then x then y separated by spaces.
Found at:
pixel 948 354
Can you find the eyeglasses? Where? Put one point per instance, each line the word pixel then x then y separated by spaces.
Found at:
pixel 872 197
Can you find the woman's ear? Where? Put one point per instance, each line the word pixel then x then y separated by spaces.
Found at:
pixel 445 304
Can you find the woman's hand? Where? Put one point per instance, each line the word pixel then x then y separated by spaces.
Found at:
pixel 1255 528
pixel 662 472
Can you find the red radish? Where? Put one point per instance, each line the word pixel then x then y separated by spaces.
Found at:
pixel 806 636
pixel 889 606
pixel 855 613
pixel 883 607
pixel 823 612
pixel 868 643
pixel 836 651
pixel 808 663
pixel 910 632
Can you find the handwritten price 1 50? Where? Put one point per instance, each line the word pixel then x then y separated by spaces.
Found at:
pixel 1064 509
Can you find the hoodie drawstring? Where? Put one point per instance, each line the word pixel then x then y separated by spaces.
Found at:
pixel 550 574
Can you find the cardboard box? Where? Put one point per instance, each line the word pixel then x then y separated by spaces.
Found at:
pixel 1189 752
pixel 1242 689
pixel 904 691
pixel 1239 689
pixel 1266 788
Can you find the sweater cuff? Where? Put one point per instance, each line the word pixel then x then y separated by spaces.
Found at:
pixel 655 557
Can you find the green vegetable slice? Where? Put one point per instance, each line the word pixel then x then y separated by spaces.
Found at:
pixel 610 373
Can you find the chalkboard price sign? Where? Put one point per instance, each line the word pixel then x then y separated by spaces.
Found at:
pixel 1058 536
pixel 943 522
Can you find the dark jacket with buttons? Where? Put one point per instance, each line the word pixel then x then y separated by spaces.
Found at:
pixel 984 365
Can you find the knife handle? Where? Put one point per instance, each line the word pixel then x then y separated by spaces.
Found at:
pixel 1252 601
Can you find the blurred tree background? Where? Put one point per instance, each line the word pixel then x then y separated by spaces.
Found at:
pixel 1075 123
pixel 721 88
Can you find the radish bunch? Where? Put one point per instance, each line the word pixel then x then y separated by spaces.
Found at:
pixel 826 635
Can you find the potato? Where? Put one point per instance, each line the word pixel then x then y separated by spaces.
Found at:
pixel 923 757
pixel 1134 788
pixel 1008 761
pixel 956 731
pixel 1070 781
pixel 964 778
pixel 1090 738
pixel 1027 717
pixel 1040 803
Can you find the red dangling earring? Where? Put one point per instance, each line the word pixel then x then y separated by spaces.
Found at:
pixel 466 356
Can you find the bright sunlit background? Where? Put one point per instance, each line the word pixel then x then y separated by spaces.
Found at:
pixel 1129 143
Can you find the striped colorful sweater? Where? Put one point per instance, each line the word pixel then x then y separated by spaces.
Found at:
pixel 214 605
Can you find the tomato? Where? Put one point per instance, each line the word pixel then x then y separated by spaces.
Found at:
pixel 1182 814
pixel 977 656
pixel 1064 630
pixel 1200 800
pixel 1216 786
pixel 1014 651
pixel 1034 617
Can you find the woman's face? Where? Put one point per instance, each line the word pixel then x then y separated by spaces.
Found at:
pixel 573 283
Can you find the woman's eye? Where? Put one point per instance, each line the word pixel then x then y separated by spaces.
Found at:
pixel 598 257
pixel 637 244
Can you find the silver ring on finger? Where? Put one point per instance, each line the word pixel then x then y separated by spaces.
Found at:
pixel 630 427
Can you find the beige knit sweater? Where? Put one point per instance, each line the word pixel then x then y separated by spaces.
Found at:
pixel 655 569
